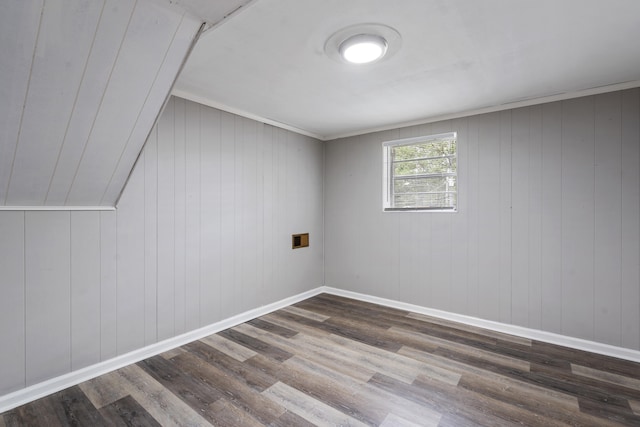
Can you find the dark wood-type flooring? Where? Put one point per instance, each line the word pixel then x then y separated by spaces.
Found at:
pixel 335 361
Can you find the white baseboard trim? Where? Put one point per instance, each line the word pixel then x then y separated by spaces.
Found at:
pixel 534 334
pixel 45 388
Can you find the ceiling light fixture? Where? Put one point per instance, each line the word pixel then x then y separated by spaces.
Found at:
pixel 363 48
pixel 363 44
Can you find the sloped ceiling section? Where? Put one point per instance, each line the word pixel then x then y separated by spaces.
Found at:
pixel 82 83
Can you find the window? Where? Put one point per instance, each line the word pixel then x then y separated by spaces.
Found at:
pixel 420 174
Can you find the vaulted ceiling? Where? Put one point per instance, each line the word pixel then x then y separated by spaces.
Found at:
pixel 82 82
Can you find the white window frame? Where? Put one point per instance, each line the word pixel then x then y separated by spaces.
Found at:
pixel 387 185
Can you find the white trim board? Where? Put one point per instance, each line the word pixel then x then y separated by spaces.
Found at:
pixel 53 385
pixel 534 334
pixel 57 208
pixel 36 391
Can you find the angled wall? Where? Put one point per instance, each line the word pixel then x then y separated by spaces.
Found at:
pixel 547 235
pixel 82 84
pixel 202 232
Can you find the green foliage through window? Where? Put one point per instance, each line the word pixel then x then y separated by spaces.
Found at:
pixel 422 173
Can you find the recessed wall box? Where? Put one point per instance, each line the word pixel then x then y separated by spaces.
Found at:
pixel 299 240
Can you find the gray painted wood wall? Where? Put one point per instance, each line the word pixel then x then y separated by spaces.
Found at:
pixel 548 230
pixel 203 232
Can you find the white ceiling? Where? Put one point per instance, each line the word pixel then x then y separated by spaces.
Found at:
pixel 268 62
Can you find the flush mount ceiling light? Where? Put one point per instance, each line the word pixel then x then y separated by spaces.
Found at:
pixel 363 48
pixel 363 44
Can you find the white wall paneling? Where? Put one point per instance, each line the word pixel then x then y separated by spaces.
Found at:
pixel 23 25
pixel 47 258
pixel 132 324
pixel 108 285
pixel 192 219
pixel 12 303
pixel 546 236
pixel 149 159
pixel 216 200
pixel 607 267
pixel 520 177
pixel 202 233
pixel 471 183
pixel 578 217
pixel 61 52
pixel 114 23
pixel 83 82
pixel 488 188
pixel 228 241
pixel 551 271
pixel 629 313
pixel 85 289
pixel 166 227
pixel 506 201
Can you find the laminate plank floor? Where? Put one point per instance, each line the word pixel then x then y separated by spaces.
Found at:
pixel 333 361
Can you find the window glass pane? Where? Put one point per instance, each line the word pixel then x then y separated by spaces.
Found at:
pixel 435 148
pixel 417 201
pixel 422 185
pixel 422 175
pixel 426 166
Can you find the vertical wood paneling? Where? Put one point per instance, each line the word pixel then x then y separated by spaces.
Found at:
pixel 535 217
pixel 192 220
pixel 12 303
pixel 61 54
pixel 260 212
pixel 473 249
pixel 249 203
pixel 551 239
pixel 240 217
pixel 131 265
pixel 180 216
pixel 110 31
pixel 608 219
pixel 505 266
pixel 149 159
pixel 284 210
pixel 83 82
pixel 208 199
pixel 133 75
pixel 280 217
pixel 108 287
pixel 520 153
pixel 577 217
pixel 488 199
pixel 228 213
pixel 547 233
pixel 162 80
pixel 16 61
pixel 85 289
pixel 268 216
pixel 630 295
pixel 166 223
pixel 48 295
pixel 214 199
